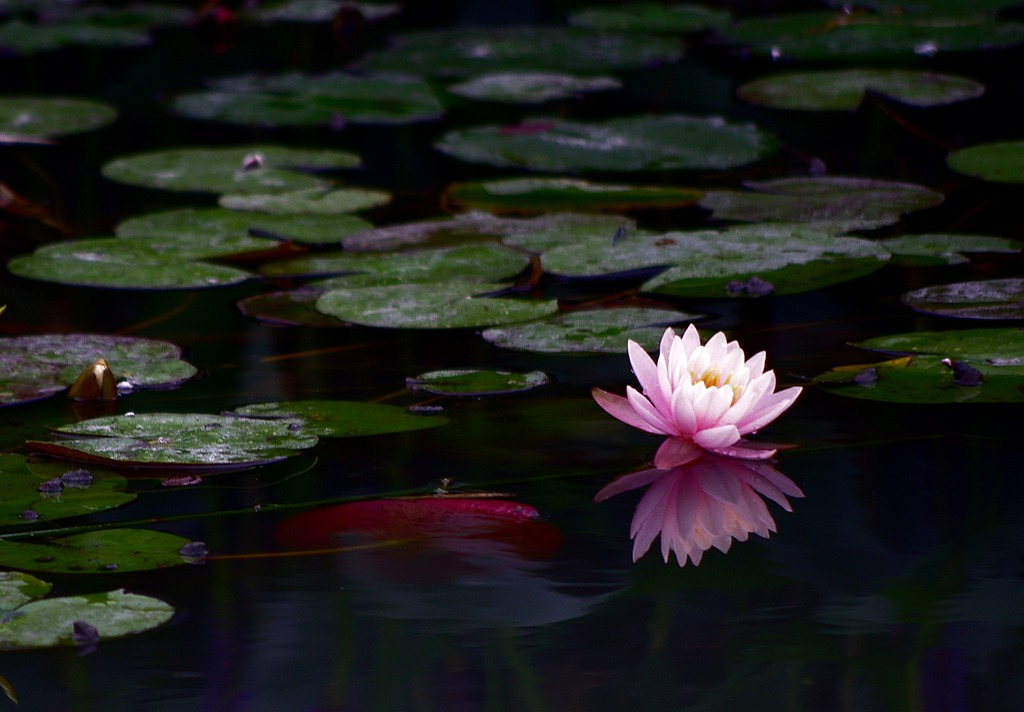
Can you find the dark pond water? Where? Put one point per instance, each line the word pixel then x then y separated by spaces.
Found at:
pixel 894 584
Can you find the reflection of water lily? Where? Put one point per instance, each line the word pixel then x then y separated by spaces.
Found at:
pixel 704 397
pixel 705 503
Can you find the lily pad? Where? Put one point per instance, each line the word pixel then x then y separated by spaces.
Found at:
pixel 293 307
pixel 845 89
pixel 647 143
pixel 307 201
pixel 931 7
pixel 591 331
pixel 983 299
pixel 947 249
pixel 28 119
pixel 476 382
pixel 180 440
pixel 296 99
pixel 454 305
pixel 836 204
pixel 540 195
pixel 343 419
pixel 651 17
pixel 39 489
pixel 53 622
pixel 483 263
pixel 530 87
pixel 831 37
pixel 462 51
pixel 999 162
pixel 133 15
pixel 191 222
pixel 235 169
pixel 39 366
pixel 17 588
pixel 99 552
pixel 21 37
pixel 319 10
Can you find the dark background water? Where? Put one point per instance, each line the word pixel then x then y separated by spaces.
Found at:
pixel 894 585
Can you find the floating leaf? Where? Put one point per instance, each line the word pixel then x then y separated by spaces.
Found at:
pixel 236 169
pixel 651 17
pixel 591 331
pixel 308 201
pixel 430 306
pixel 462 51
pixel 844 90
pixel 999 162
pixel 319 10
pixel 945 249
pixel 98 552
pixel 983 299
pixel 24 38
pixel 17 588
pixel 135 15
pixel 27 119
pixel 540 195
pixel 476 382
pixel 297 99
pixel 191 223
pixel 38 366
pixel 649 143
pixel 836 204
pixel 936 8
pixel 825 36
pixel 530 87
pixel 294 307
pixel 343 419
pixel 180 440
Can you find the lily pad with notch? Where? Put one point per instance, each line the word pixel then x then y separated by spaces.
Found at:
pixel 33 119
pixel 104 551
pixel 476 382
pixel 343 419
pixel 543 195
pixel 980 299
pixel 530 87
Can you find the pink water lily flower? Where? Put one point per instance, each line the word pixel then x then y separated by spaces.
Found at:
pixel 704 397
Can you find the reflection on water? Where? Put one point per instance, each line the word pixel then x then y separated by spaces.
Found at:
pixel 705 503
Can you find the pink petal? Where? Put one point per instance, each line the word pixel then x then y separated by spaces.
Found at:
pixel 646 410
pixel 717 438
pixel 647 374
pixel 690 339
pixel 773 407
pixel 626 482
pixel 746 450
pixel 619 407
pixel 675 452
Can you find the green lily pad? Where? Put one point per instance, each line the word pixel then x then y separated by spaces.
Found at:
pixel 944 249
pixel 21 37
pixel 27 119
pixel 591 331
pixel 476 382
pixel 483 263
pixel 540 195
pixel 453 305
pixel 462 51
pixel 844 90
pixel 836 204
pixel 180 440
pixel 52 622
pixel 235 169
pixel 937 8
pixel 648 143
pixel 831 37
pixel 307 201
pixel 17 588
pixel 191 223
pixel 134 15
pixel 982 299
pixel 343 419
pixel 319 10
pixel 530 87
pixel 38 488
pixel 293 307
pixel 707 263
pixel 999 162
pixel 296 99
pixel 651 17
pixel 983 348
pixel 39 366
pixel 99 552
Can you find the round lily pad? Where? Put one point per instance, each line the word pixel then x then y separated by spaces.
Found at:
pixel 999 162
pixel 20 37
pixel 319 10
pixel 307 201
pixel 651 17
pixel 344 419
pixel 836 204
pixel 936 8
pixel 38 366
pixel 476 382
pixel 462 51
pixel 648 143
pixel 18 588
pixel 99 552
pixel 452 305
pixel 27 119
pixel 831 37
pixel 530 87
pixel 539 195
pixel 982 299
pixel 948 249
pixel 590 331
pixel 844 90
pixel 296 99
pixel 235 169
pixel 190 223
